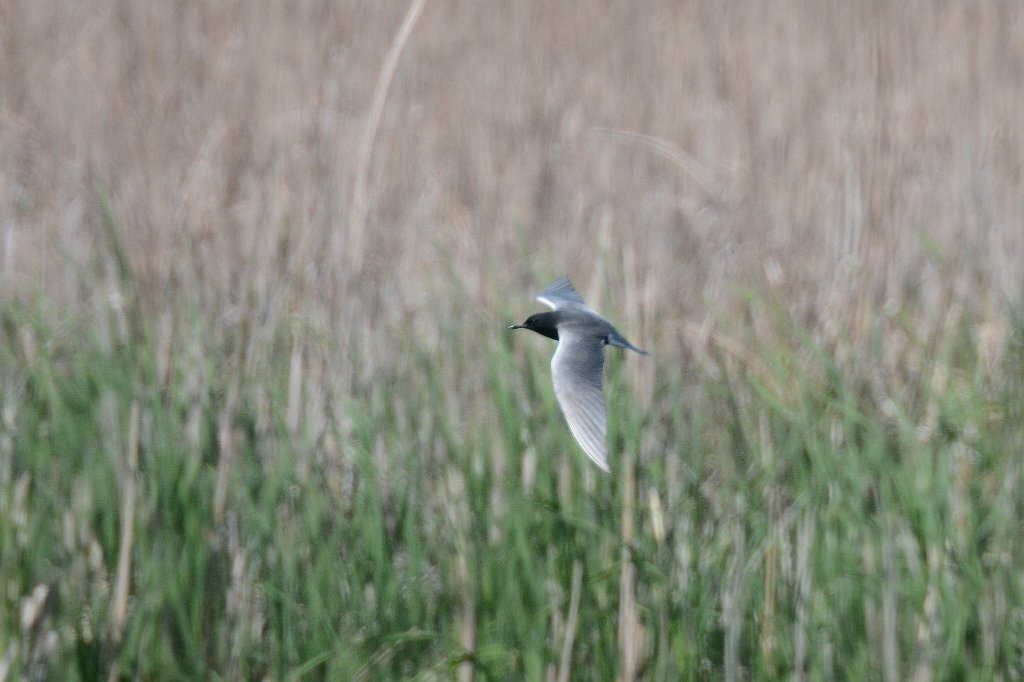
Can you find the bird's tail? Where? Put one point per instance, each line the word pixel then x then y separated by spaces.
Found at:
pixel 619 341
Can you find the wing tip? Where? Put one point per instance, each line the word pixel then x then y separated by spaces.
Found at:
pixel 599 458
pixel 565 294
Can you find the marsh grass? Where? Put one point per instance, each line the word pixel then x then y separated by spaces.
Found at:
pixel 783 514
pixel 259 417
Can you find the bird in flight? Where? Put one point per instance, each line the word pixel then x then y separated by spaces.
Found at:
pixel 577 366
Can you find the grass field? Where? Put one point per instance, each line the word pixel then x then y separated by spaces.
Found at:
pixel 260 417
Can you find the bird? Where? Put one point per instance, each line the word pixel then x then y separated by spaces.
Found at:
pixel 577 367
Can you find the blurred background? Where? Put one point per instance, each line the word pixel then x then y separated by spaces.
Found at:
pixel 298 231
pixel 845 153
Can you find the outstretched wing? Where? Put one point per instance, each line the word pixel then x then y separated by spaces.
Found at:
pixel 577 368
pixel 561 295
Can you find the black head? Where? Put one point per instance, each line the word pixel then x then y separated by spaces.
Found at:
pixel 542 323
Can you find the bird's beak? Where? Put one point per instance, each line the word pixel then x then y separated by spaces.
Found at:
pixel 515 326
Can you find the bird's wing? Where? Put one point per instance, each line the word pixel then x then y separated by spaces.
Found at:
pixel 577 368
pixel 561 295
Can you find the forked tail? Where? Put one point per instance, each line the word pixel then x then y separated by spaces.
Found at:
pixel 619 341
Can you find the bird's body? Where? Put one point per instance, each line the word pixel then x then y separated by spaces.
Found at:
pixel 577 366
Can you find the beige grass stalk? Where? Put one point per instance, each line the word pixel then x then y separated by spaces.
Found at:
pixel 890 617
pixel 467 626
pixel 119 602
pixel 628 625
pixel 226 457
pixel 670 151
pixel 357 217
pixel 801 631
pixel 571 622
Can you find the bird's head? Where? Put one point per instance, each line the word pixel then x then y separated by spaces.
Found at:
pixel 542 323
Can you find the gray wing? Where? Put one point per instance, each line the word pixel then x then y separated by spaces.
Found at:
pixel 561 295
pixel 577 368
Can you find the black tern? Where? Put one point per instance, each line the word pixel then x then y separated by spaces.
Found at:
pixel 577 366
